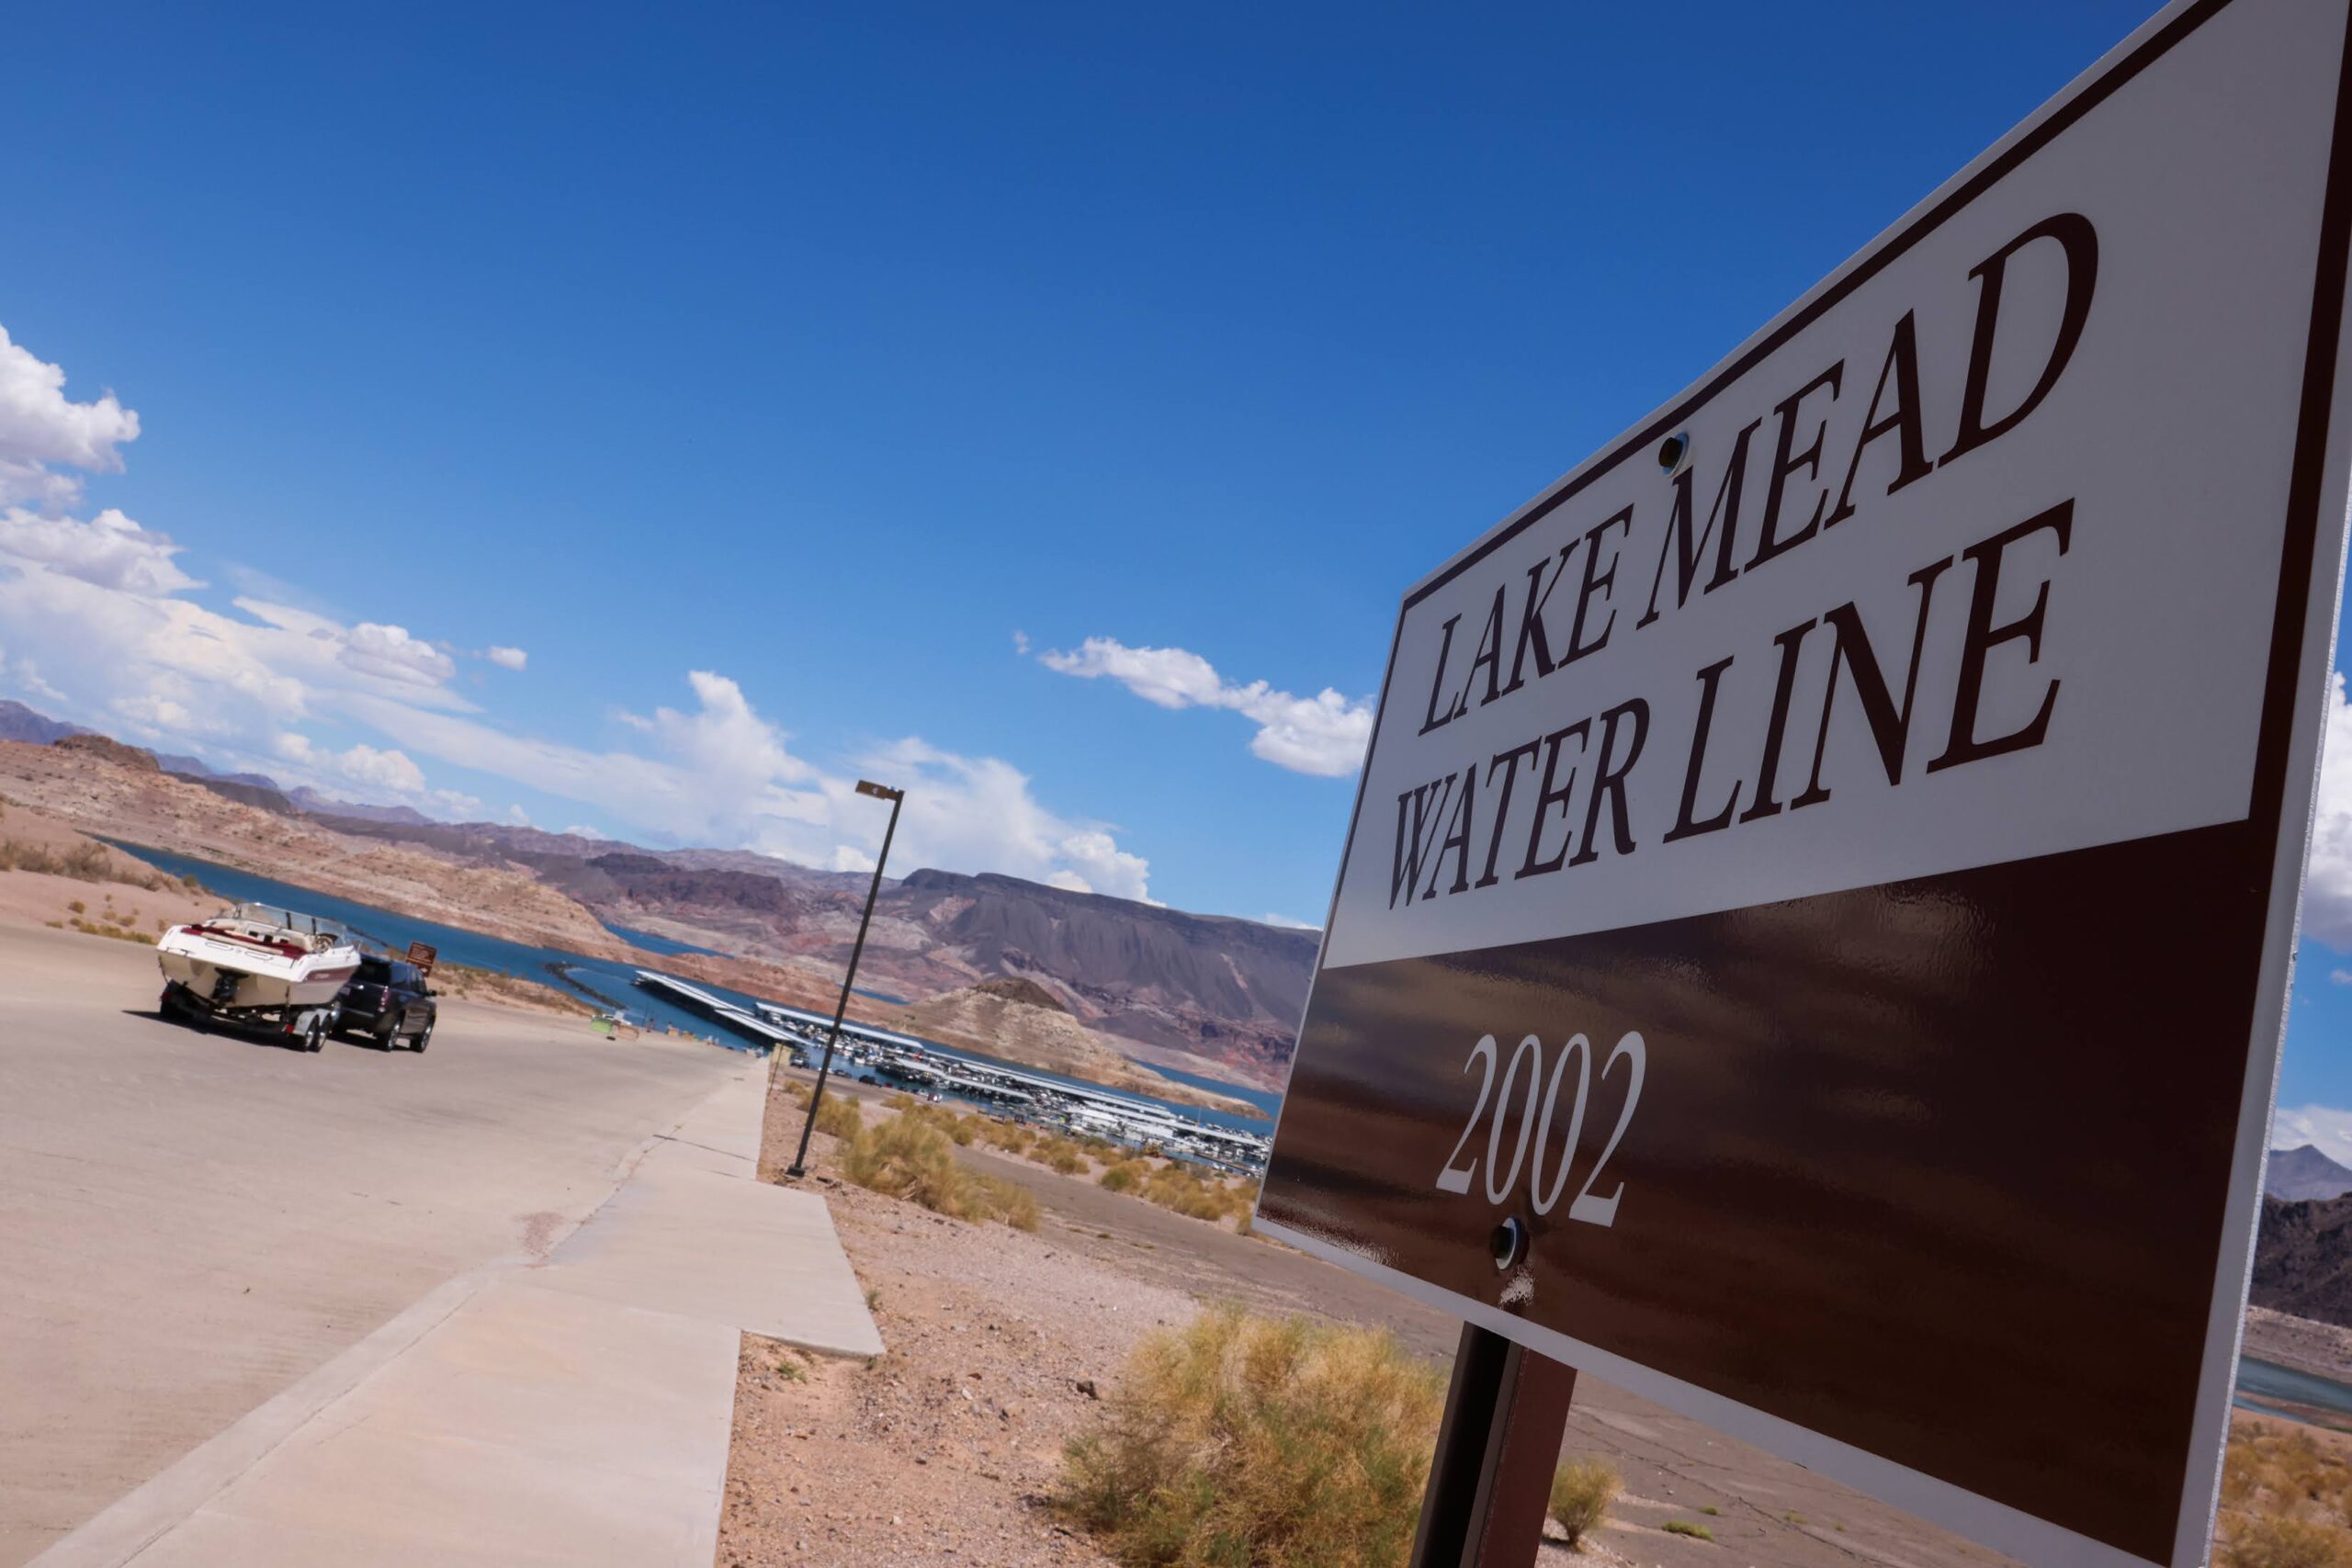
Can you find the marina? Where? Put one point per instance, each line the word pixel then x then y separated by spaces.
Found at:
pixel 1062 1104
pixel 674 1005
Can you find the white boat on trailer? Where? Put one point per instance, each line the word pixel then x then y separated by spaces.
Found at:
pixel 259 967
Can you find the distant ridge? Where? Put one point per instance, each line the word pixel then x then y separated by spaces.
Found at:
pixel 1212 994
pixel 18 722
pixel 2302 1174
pixel 2303 1259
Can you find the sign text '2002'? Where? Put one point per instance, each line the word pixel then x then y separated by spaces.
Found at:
pixel 1536 1125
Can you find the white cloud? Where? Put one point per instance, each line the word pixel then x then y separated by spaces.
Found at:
pixel 453 804
pixel 722 774
pixel 1020 642
pixel 1324 735
pixel 2327 877
pixel 2340 976
pixel 2322 1126
pixel 108 551
pixel 103 605
pixel 1286 923
pixel 392 653
pixel 39 426
pixel 376 773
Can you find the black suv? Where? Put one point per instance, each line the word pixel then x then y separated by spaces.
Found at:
pixel 387 1000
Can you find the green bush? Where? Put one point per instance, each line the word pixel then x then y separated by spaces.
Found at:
pixel 1581 1493
pixel 1247 1440
pixel 1684 1526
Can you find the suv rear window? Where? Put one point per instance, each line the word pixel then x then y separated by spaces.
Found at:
pixel 374 971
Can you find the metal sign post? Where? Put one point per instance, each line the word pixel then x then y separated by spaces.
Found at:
pixel 1491 1481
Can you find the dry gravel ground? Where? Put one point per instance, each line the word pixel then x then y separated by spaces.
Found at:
pixel 944 1449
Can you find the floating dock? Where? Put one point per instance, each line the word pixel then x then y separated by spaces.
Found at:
pixel 718 1010
pixel 1084 1107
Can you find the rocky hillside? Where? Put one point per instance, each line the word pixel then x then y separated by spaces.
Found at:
pixel 1218 995
pixel 996 1017
pixel 122 793
pixel 2303 1259
pixel 1201 993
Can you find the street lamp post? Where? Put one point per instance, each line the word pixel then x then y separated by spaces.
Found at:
pixel 825 1067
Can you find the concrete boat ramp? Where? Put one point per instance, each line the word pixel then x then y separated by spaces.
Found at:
pixel 575 1411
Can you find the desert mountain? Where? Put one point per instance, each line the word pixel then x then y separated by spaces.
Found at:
pixel 18 722
pixel 2295 1175
pixel 1222 996
pixel 2303 1259
pixel 1014 1017
pixel 1203 992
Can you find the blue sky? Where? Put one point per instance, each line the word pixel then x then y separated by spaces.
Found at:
pixel 842 357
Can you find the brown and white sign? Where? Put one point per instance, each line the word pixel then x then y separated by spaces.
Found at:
pixel 1827 867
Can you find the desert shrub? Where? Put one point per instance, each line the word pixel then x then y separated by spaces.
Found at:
pixel 1581 1493
pixel 907 1158
pixel 1065 1158
pixel 1010 1137
pixel 962 1128
pixel 1016 1206
pixel 2285 1500
pixel 1684 1526
pixel 84 861
pixel 2277 1541
pixel 120 934
pixel 1242 1438
pixel 1123 1176
pixel 840 1116
pixel 1195 1197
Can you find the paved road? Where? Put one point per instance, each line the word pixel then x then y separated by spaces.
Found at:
pixel 190 1222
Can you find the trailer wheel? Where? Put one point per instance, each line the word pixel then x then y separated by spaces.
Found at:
pixel 315 1037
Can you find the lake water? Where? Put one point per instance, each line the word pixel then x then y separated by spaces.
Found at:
pixel 2274 1390
pixel 669 946
pixel 1267 1101
pixel 604 981
pixel 665 945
